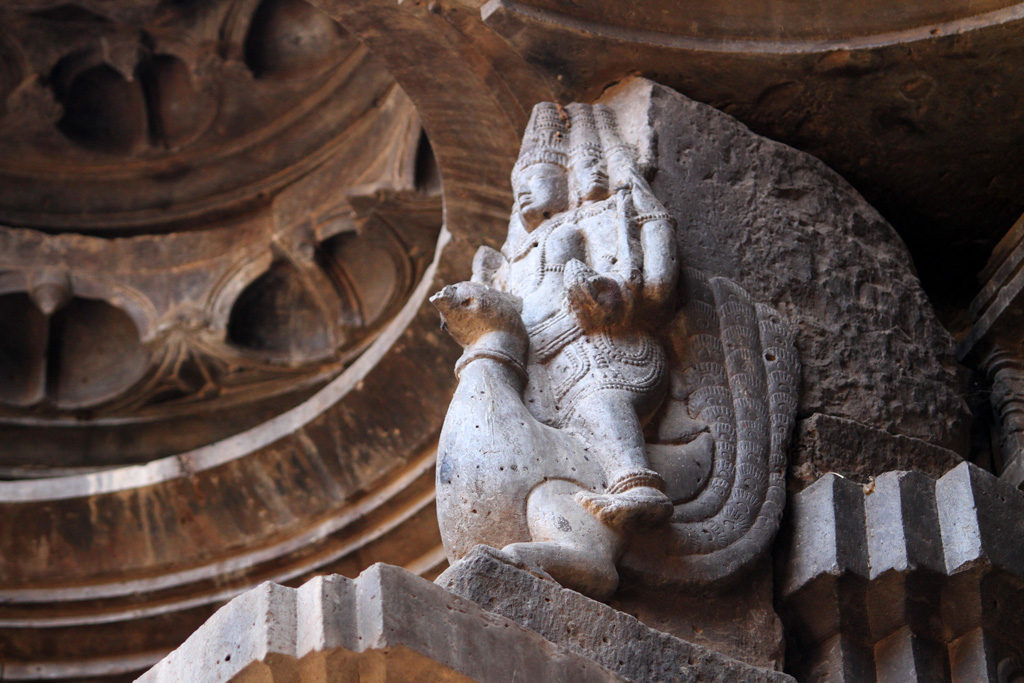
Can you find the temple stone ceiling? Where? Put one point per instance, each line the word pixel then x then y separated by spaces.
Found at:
pixel 222 144
pixel 221 220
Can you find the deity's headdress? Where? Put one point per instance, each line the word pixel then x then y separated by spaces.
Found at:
pixel 619 155
pixel 544 141
pixel 588 169
pixel 584 141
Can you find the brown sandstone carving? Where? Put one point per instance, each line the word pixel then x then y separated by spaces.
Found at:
pixel 267 181
pixel 597 424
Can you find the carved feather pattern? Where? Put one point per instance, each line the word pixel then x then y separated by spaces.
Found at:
pixel 739 365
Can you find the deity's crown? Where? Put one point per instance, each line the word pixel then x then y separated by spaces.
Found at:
pixel 544 141
pixel 583 135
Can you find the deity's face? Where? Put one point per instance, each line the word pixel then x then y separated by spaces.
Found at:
pixel 542 190
pixel 592 178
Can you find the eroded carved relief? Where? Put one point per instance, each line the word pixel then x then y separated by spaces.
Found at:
pixel 994 346
pixel 613 409
pixel 190 108
pixel 270 188
pixel 249 325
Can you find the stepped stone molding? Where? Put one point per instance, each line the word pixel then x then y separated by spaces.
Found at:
pixel 905 578
pixel 388 624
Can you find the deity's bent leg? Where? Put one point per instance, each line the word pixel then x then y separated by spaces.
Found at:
pixel 608 423
pixel 569 544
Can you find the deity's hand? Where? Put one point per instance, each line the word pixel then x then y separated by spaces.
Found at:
pixel 599 302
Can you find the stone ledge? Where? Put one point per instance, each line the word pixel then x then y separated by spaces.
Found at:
pixel 611 638
pixel 388 624
pixel 499 624
pixel 826 443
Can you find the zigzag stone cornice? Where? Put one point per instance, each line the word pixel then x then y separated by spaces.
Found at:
pixel 908 578
pixel 389 624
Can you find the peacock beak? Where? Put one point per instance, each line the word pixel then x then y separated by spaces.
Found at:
pixel 442 301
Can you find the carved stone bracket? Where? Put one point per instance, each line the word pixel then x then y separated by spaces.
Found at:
pixel 262 255
pixel 192 110
pixel 995 345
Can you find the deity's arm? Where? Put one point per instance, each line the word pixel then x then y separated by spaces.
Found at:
pixel 658 243
pixel 661 269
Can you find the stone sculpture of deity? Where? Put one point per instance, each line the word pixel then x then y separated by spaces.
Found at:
pixel 575 340
pixel 591 254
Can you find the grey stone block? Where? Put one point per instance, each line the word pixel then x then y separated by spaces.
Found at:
pixel 982 518
pixel 827 533
pixel 387 625
pixel 826 443
pixel 589 628
pixel 902 657
pixel 927 575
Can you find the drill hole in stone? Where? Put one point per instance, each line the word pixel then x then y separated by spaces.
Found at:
pixel 427 174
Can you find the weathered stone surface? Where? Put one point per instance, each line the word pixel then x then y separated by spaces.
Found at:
pixel 738 620
pixel 386 625
pixel 925 115
pixel 611 638
pixel 798 237
pixel 825 443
